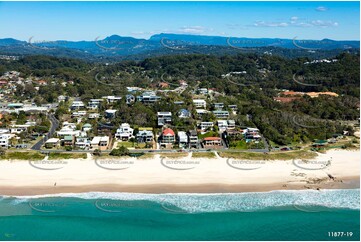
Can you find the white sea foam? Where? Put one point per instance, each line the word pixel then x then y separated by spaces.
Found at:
pixel 214 202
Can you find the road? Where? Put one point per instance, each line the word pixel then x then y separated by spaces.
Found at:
pixel 160 151
pixel 54 125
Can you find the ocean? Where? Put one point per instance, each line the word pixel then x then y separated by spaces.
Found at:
pixel 276 215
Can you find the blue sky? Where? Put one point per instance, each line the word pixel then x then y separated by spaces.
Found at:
pixel 88 20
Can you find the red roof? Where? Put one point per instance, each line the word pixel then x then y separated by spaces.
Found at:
pixel 212 138
pixel 168 131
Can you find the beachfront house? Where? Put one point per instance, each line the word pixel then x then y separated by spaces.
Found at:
pixel 124 132
pixel 193 139
pixel 52 143
pixel 182 139
pixel 4 140
pixel 100 143
pixel 82 143
pixel 252 134
pixel 167 138
pixel 212 142
pixel 164 118
pixel 68 140
pixel 144 136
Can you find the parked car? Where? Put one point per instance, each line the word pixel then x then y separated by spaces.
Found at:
pixel 21 146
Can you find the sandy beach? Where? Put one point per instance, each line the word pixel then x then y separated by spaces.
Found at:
pixel 333 170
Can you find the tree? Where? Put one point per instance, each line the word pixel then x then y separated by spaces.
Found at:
pixel 121 151
pixel 2 152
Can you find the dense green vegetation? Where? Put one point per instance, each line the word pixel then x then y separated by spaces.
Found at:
pixel 302 120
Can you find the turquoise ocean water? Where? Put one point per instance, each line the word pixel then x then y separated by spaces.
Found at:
pixel 277 215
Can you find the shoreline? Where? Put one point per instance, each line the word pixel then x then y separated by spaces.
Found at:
pixel 337 169
pixel 347 183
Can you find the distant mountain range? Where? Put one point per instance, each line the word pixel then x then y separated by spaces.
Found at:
pixel 119 47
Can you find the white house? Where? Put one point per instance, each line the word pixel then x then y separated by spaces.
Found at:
pixel 201 111
pixel 148 97
pixel 52 142
pixel 4 140
pixel 164 118
pixel 124 132
pixel 221 114
pixel 62 98
pixel 231 124
pixel 82 142
pixel 199 103
pixel 94 103
pixel 222 124
pixel 206 125
pixel 112 99
pixel 93 115
pixel 18 128
pixel 100 142
pixel 77 105
pixel 182 138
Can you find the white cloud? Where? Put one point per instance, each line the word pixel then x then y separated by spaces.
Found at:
pixel 192 30
pixel 294 19
pixel 321 23
pixel 321 9
pixel 295 22
pixel 270 24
